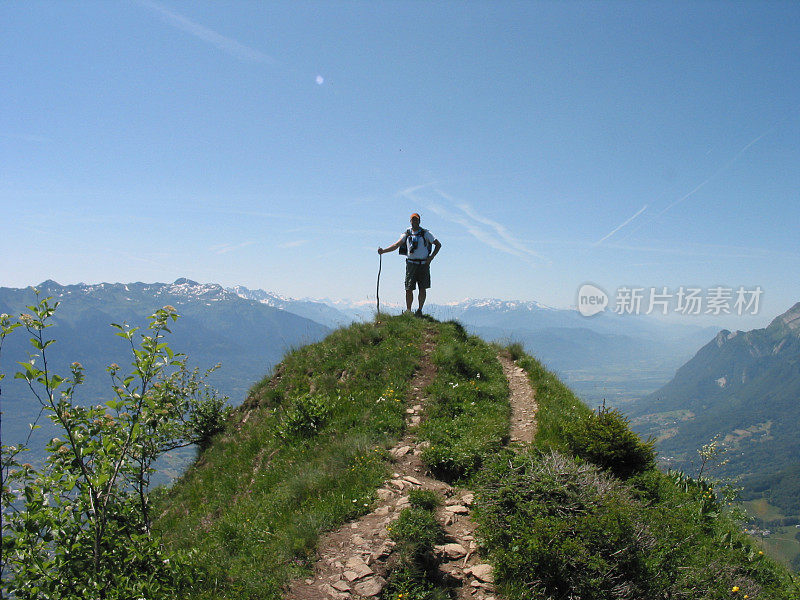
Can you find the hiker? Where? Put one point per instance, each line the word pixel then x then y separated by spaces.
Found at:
pixel 417 244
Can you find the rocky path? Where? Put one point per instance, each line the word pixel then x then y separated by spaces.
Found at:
pixel 352 561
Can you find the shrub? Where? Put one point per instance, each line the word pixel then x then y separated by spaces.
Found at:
pixel 560 529
pixel 304 418
pixel 415 532
pixel 606 440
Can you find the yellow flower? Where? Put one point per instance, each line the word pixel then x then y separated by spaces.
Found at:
pixel 735 589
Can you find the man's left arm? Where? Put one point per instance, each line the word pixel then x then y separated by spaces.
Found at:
pixel 436 247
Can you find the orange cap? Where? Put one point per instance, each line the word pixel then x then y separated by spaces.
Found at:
pixel 415 215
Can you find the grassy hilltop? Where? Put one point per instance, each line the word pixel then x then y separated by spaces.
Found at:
pixel 581 513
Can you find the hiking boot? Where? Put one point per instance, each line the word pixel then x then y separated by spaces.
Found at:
pixel 418 312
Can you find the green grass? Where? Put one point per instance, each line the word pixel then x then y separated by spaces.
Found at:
pixel 467 415
pixel 309 457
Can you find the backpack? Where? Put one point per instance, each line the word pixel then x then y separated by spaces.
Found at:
pixel 403 248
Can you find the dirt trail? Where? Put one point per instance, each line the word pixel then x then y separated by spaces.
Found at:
pixel 352 561
pixel 523 403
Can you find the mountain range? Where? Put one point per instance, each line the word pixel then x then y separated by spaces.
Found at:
pixel 216 325
pixel 248 331
pixel 743 387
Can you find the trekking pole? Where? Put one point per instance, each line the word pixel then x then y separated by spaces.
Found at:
pixel 378 291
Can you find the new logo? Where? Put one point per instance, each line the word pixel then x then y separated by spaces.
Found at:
pixel 591 300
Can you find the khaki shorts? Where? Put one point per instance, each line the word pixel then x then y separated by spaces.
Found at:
pixel 417 273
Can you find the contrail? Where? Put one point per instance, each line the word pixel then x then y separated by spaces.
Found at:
pixel 641 210
pixel 226 44
pixel 716 173
pixel 494 234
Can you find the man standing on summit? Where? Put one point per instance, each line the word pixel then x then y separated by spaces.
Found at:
pixel 417 243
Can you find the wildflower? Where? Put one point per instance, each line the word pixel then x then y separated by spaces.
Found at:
pixel 26 318
pixel 735 589
pixel 170 308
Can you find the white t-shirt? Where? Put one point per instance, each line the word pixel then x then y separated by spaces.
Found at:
pixel 421 251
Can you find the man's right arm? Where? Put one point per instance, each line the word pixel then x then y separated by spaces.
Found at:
pixel 393 247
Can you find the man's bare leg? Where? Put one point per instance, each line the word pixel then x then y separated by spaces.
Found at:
pixel 409 299
pixel 422 294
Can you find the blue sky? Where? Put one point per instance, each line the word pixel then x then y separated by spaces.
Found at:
pixel 277 144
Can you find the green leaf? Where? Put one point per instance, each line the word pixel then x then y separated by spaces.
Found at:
pixel 28 367
pixel 56 381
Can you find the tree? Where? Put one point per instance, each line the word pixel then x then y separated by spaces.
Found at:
pixel 79 525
